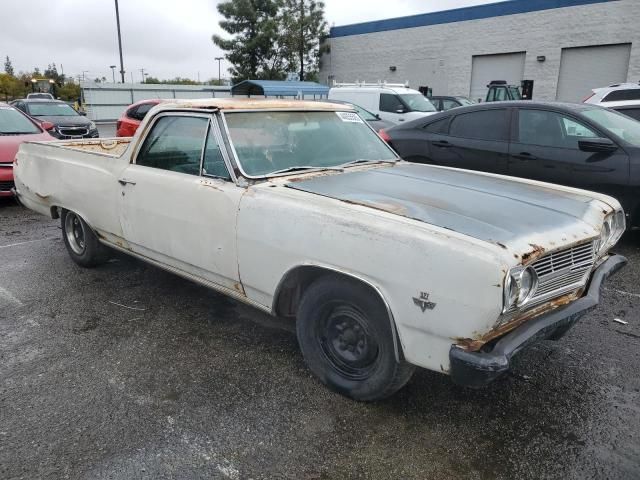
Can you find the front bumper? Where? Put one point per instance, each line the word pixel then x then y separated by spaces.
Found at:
pixel 477 369
pixel 6 181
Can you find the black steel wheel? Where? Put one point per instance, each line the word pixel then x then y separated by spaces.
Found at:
pixel 347 341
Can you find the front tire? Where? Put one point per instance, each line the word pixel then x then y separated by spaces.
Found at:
pixel 345 336
pixel 82 244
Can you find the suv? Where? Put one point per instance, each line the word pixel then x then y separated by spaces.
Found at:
pixel 392 102
pixel 130 119
pixel 622 97
pixel 41 96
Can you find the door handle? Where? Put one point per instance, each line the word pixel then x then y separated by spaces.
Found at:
pixel 124 181
pixel 442 144
pixel 525 156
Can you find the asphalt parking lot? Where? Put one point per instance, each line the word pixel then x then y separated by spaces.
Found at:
pixel 128 372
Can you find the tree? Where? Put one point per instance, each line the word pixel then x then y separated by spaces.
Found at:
pixel 303 29
pixel 69 91
pixel 8 66
pixel 11 87
pixel 253 50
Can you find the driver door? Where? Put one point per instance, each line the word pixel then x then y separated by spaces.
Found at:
pixel 179 203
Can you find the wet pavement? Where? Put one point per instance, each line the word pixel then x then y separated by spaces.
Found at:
pixel 128 372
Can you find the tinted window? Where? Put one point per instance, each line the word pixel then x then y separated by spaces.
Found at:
pixel 390 103
pixel 621 95
pixel 131 113
pixel 620 125
pixel 53 109
pixel 143 110
pixel 550 129
pixel 631 112
pixel 501 94
pixel 175 143
pixel 213 163
pixel 483 125
pixel 437 127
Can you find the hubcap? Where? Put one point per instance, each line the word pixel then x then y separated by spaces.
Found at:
pixel 347 343
pixel 75 233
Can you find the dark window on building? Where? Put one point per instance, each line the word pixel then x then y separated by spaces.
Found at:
pixel 483 125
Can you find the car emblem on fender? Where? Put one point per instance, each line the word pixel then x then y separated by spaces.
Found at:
pixel 423 302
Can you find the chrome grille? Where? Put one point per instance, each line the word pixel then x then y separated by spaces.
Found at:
pixel 6 186
pixel 563 271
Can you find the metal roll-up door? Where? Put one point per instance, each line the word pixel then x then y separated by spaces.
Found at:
pixel 503 66
pixel 585 68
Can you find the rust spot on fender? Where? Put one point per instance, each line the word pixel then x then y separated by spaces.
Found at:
pixel 237 286
pixel 44 197
pixel 475 344
pixel 536 252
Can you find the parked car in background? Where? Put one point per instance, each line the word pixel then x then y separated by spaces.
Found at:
pixel 41 96
pixel 371 118
pixel 622 97
pixel 67 122
pixel 578 145
pixel 300 210
pixel 130 119
pixel 393 102
pixel 15 128
pixel 444 103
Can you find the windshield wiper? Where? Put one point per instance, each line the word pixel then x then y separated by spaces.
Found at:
pixel 363 161
pixel 303 168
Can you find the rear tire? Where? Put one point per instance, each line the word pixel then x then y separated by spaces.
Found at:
pixel 346 339
pixel 82 244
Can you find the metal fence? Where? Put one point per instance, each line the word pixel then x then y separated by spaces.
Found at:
pixel 107 101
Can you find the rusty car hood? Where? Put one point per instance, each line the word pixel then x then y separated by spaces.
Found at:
pixel 491 208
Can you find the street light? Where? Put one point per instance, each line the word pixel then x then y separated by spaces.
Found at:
pixel 119 41
pixel 219 59
pixel 113 72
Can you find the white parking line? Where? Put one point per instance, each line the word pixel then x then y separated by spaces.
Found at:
pixel 28 241
pixel 622 292
pixel 8 296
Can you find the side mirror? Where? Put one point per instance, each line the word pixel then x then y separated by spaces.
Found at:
pixel 597 145
pixel 48 126
pixel 84 114
pixel 400 110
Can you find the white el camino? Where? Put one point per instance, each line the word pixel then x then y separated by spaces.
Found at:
pixel 301 210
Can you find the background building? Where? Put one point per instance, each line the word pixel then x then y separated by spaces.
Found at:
pixel 566 46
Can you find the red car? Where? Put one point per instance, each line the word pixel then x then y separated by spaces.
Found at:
pixel 15 128
pixel 130 120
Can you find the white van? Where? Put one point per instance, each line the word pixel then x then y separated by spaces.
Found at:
pixel 393 102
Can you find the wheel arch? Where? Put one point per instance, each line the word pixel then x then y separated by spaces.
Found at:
pixel 296 280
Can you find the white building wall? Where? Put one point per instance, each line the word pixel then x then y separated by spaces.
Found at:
pixel 444 52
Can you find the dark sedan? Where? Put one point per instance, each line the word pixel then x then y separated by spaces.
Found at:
pixel 443 103
pixel 578 145
pixel 68 123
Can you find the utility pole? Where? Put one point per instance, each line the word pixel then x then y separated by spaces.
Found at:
pixel 119 41
pixel 113 72
pixel 83 72
pixel 219 59
pixel 142 74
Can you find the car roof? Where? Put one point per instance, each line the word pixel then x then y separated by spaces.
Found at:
pixel 557 106
pixel 252 104
pixel 41 100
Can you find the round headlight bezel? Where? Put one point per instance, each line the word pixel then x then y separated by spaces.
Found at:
pixel 525 294
pixel 520 285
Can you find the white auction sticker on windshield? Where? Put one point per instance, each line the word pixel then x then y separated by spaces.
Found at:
pixel 350 117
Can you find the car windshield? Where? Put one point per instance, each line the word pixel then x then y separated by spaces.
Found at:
pixel 620 125
pixel 268 142
pixel 417 102
pixel 50 109
pixel 13 122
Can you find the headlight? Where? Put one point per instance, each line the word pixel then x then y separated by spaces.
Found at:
pixel 612 229
pixel 92 126
pixel 520 285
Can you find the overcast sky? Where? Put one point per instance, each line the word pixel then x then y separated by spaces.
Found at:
pixel 167 38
